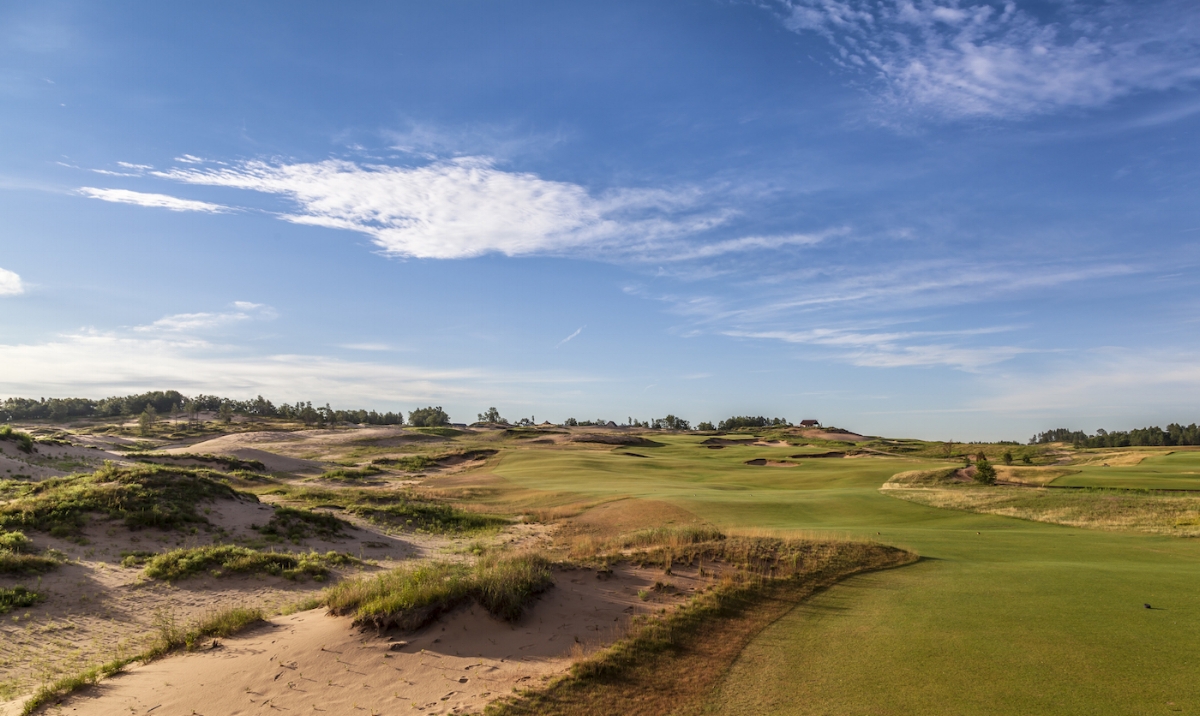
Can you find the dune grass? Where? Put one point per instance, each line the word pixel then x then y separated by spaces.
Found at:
pixel 227 462
pixel 24 441
pixel 15 559
pixel 170 637
pixel 349 474
pixel 413 595
pixel 226 560
pixel 401 509
pixel 142 496
pixel 294 525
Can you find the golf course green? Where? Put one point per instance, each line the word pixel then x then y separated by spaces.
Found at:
pixel 1001 616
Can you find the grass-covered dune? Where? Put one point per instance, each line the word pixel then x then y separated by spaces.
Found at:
pixel 1001 615
pixel 141 496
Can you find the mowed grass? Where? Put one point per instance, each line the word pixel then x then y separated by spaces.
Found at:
pixel 1001 616
pixel 1180 470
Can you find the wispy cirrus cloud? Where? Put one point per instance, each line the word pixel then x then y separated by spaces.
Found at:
pixel 896 349
pixel 568 338
pixel 241 312
pixel 10 283
pixel 956 59
pixel 466 207
pixel 158 201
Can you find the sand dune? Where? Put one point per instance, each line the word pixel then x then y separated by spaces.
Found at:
pixel 308 662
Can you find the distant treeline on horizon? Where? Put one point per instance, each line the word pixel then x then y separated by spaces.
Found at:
pixel 1175 434
pixel 175 404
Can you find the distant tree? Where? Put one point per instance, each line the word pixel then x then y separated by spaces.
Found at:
pixel 492 416
pixel 984 472
pixel 949 448
pixel 1008 457
pixel 966 460
pixel 670 423
pixel 225 412
pixel 1026 459
pixel 570 422
pixel 428 417
pixel 705 426
pixel 147 419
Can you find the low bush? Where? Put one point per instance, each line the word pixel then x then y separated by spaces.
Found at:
pixel 14 560
pixel 224 560
pixel 411 596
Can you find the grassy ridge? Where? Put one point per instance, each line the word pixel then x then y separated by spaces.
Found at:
pixel 142 496
pixel 225 461
pixel 411 596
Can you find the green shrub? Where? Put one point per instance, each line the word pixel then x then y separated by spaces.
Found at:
pixel 14 542
pixel 16 598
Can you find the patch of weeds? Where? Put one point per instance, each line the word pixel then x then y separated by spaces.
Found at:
pixel 15 560
pixel 411 596
pixel 17 598
pixel 293 524
pixel 141 496
pixel 223 560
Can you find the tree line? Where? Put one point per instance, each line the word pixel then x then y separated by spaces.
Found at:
pixel 1175 434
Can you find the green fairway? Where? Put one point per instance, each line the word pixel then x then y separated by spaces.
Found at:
pixel 1179 470
pixel 1002 615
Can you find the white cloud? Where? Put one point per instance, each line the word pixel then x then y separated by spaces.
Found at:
pixel 974 59
pixel 750 243
pixel 96 364
pixel 185 322
pixel 466 207
pixel 10 284
pixel 160 201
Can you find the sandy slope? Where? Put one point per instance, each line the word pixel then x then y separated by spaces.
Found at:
pixel 308 662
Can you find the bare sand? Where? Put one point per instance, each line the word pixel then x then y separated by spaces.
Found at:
pixel 312 663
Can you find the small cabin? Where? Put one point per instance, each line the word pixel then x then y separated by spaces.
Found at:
pixel 810 423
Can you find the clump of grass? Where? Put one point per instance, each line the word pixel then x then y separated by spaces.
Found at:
pixel 15 560
pixel 394 508
pixel 224 560
pixel 16 598
pixel 348 474
pixel 170 636
pixel 24 441
pixel 141 496
pixel 295 525
pixel 136 558
pixel 670 537
pixel 226 461
pixel 408 463
pixel 411 596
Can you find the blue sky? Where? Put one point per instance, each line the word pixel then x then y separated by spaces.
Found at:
pixel 951 220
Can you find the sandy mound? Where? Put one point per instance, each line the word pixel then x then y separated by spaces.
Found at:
pixel 722 442
pixel 819 434
pixel 763 462
pixel 272 461
pixel 308 661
